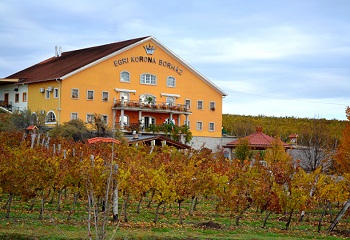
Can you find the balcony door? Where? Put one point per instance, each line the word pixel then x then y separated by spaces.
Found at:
pixel 125 96
pixel 148 121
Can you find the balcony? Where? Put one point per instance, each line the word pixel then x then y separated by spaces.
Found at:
pixel 156 107
pixel 6 105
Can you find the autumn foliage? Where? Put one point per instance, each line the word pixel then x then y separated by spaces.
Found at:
pixel 165 176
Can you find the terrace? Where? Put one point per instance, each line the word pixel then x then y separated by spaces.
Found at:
pixel 5 105
pixel 159 107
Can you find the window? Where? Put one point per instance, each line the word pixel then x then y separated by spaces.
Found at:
pixel 125 96
pixel 148 121
pixel 125 120
pixel 73 116
pixel 51 117
pixel 148 79
pixel 200 105
pixel 199 126
pixel 170 82
pixel 211 126
pixel 125 76
pixel 90 95
pixel 145 98
pixel 16 97
pixel 105 119
pixel 188 124
pixel 105 96
pixel 212 106
pixel 90 118
pixel 24 97
pixel 188 103
pixel 47 94
pixel 170 101
pixel 33 119
pixel 55 92
pixel 75 93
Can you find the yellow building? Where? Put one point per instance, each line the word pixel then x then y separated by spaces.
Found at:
pixel 137 82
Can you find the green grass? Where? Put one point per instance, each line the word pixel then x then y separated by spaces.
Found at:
pixel 24 224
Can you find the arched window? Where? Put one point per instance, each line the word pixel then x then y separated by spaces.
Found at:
pixel 33 119
pixel 51 117
pixel 149 79
pixel 170 82
pixel 148 98
pixel 125 76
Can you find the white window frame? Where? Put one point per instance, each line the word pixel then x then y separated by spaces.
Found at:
pixel 211 126
pixel 171 81
pixel 125 123
pixel 88 93
pixel 212 106
pixel 105 98
pixel 188 123
pixel 55 93
pixel 188 103
pixel 125 95
pixel 73 95
pixel 33 118
pixel 104 118
pixel 47 94
pixel 72 114
pixel 123 77
pixel 148 79
pixel 170 101
pixel 90 118
pixel 199 126
pixel 52 120
pixel 144 97
pixel 151 121
pixel 201 105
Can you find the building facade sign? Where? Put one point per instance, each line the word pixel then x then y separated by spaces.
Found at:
pixel 146 59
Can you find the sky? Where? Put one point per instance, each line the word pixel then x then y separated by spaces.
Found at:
pixel 281 58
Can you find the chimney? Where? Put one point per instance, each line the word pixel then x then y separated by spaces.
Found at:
pixel 258 129
pixel 58 51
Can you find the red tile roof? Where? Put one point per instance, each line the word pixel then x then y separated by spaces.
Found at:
pixel 293 135
pixel 257 140
pixel 57 67
pixel 32 128
pixel 103 139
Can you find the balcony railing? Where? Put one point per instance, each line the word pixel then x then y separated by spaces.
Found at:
pixel 151 106
pixel 6 105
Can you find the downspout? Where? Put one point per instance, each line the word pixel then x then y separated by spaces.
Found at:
pixel 59 101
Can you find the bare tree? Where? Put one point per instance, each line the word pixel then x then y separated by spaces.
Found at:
pixel 316 147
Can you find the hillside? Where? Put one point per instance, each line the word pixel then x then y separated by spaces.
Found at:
pixel 241 125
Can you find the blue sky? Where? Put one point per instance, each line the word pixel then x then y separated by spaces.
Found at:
pixel 272 57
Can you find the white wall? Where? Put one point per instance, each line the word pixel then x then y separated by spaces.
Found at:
pixel 10 89
pixel 212 143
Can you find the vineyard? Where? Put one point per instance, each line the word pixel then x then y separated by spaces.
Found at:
pixel 111 190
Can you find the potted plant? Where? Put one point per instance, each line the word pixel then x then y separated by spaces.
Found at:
pixel 149 99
